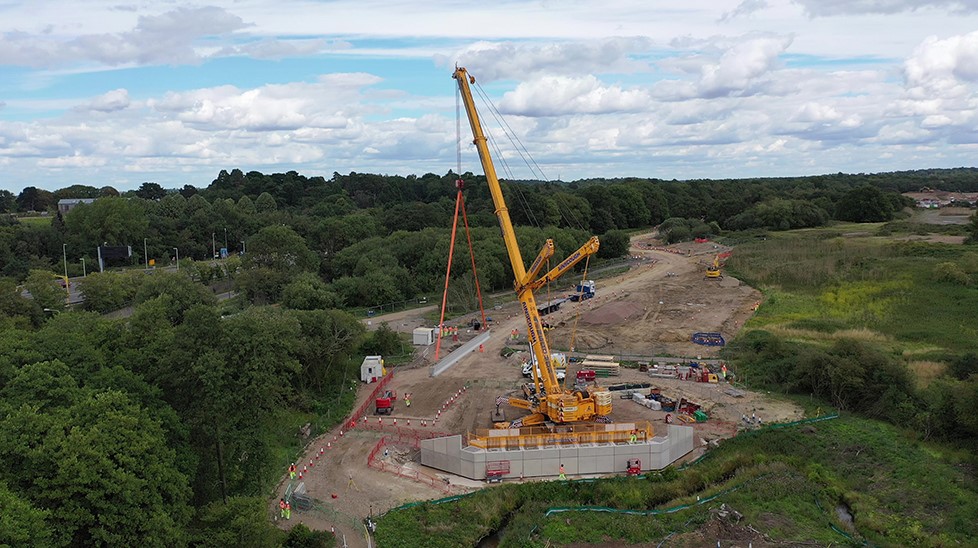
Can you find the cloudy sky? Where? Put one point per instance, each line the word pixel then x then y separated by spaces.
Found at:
pixel 118 93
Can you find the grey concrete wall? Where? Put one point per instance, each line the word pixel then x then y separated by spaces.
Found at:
pixel 448 454
pixel 461 352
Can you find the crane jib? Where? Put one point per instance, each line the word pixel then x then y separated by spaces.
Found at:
pixel 532 335
pixel 569 260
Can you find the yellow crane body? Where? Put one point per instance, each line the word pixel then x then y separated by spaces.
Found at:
pixel 545 398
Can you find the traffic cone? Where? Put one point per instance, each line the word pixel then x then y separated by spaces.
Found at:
pixel 395 422
pixel 409 422
pixel 311 465
pixel 341 433
pixel 424 424
pixel 329 445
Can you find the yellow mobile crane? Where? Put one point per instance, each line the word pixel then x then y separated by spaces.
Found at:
pixel 545 398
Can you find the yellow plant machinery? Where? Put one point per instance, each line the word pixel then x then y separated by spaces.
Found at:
pixel 545 398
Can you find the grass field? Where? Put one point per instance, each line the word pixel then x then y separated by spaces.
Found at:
pixel 35 221
pixel 821 285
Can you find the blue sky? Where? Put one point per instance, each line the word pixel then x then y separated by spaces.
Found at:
pixel 115 93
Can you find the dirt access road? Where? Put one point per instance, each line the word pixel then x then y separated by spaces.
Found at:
pixel 652 309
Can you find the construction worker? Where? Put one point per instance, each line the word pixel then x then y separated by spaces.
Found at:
pixel 288 510
pixel 562 476
pixel 292 471
pixel 281 507
pixel 634 437
pixel 407 399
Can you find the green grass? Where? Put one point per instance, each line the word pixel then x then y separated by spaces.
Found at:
pixel 819 287
pixel 789 482
pixel 35 221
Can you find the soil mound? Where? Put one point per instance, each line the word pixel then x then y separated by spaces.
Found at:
pixel 612 313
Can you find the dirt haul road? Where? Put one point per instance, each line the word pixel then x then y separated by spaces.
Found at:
pixel 652 309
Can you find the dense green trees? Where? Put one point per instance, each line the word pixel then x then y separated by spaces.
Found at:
pixel 111 430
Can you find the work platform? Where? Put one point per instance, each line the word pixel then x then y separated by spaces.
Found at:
pixel 536 455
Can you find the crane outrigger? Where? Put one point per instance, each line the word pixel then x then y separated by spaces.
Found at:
pixel 545 398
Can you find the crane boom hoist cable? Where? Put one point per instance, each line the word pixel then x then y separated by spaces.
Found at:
pixel 545 398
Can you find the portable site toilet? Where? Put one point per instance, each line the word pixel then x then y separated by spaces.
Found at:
pixel 423 336
pixel 371 369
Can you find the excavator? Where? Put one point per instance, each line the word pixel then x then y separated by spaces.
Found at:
pixel 713 271
pixel 545 398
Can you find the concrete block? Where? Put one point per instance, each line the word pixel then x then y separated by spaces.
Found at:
pixel 588 465
pixel 532 468
pixel 547 453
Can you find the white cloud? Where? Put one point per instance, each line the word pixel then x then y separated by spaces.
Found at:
pixel 850 7
pixel 941 66
pixel 509 60
pixel 557 95
pixel 72 161
pixel 117 99
pixel 166 38
pixel 740 67
pixel 744 9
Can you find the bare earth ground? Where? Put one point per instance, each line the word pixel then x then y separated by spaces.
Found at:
pixel 650 310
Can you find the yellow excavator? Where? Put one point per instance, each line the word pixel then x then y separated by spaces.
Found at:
pixel 545 398
pixel 713 271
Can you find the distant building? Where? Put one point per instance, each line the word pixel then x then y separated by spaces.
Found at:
pixel 932 199
pixel 67 204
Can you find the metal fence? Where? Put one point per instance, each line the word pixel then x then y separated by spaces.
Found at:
pixel 410 441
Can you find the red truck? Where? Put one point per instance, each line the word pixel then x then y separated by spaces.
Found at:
pixel 385 403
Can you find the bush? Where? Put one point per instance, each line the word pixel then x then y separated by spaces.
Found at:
pixel 951 272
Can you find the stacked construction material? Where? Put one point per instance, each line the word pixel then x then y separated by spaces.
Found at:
pixel 603 366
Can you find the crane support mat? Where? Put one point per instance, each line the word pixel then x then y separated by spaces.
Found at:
pixel 709 339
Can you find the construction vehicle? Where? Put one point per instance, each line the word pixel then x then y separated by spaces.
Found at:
pixel 385 403
pixel 713 271
pixel 586 376
pixel 634 467
pixel 544 398
pixel 583 291
pixel 495 470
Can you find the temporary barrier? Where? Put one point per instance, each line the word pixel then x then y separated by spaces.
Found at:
pixel 362 411
pixel 412 442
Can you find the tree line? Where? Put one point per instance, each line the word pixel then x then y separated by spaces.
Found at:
pixel 365 234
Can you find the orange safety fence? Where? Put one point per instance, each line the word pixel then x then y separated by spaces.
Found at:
pixel 371 399
pixel 403 471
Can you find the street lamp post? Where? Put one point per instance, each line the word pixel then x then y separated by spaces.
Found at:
pixel 225 239
pixel 84 270
pixel 64 250
pixel 242 247
pixel 177 251
pixel 145 254
pixel 213 245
